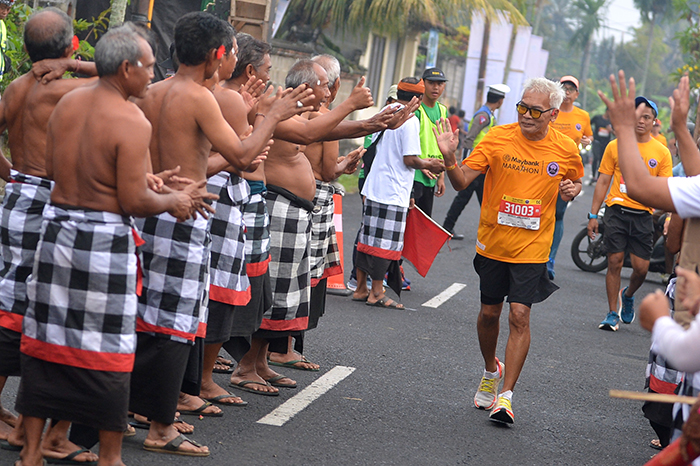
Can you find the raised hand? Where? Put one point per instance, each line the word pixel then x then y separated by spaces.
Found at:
pixel 289 102
pixel 680 104
pixel 402 116
pixel 447 140
pixel 251 92
pixel 621 110
pixel 361 97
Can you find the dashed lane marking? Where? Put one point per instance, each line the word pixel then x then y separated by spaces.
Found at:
pixel 304 398
pixel 451 290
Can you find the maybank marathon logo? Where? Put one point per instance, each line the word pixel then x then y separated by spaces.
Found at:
pixel 513 162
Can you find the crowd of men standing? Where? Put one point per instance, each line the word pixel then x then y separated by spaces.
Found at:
pixel 178 218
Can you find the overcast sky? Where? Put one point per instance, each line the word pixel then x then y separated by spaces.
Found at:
pixel 622 15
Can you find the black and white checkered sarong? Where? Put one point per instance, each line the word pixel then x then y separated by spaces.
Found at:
pixel 325 254
pixel 175 277
pixel 228 280
pixel 20 227
pixel 290 233
pixel 381 233
pixel 257 238
pixel 82 291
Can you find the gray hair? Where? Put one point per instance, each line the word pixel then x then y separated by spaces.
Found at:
pixel 331 65
pixel 117 45
pixel 554 90
pixel 302 72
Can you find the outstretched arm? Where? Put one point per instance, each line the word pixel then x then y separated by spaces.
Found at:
pixel 687 149
pixel 641 186
pixel 460 176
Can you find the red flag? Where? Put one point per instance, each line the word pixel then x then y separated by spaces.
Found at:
pixel 422 240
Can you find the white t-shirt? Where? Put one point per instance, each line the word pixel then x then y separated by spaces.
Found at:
pixel 678 346
pixel 390 180
pixel 685 194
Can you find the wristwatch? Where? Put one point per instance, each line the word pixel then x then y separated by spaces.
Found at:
pixel 590 216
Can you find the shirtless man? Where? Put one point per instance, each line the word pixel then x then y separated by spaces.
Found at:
pixel 24 111
pixel 253 371
pixel 98 160
pixel 327 167
pixel 187 123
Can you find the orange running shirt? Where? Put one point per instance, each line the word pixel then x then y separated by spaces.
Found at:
pixel 661 138
pixel 575 124
pixel 657 159
pixel 520 191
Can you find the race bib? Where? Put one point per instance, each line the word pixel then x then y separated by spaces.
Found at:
pixel 520 213
pixel 623 186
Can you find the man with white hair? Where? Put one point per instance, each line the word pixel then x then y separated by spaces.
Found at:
pixel 528 165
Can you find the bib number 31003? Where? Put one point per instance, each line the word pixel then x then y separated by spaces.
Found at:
pixel 520 213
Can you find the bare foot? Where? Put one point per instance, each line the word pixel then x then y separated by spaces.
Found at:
pixel 212 392
pixel 159 436
pixel 301 361
pixel 179 425
pixel 59 450
pixel 360 296
pixel 194 403
pixel 224 361
pixel 239 376
pixel 7 417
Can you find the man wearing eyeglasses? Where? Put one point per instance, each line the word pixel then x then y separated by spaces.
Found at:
pixel 628 224
pixel 575 123
pixel 528 165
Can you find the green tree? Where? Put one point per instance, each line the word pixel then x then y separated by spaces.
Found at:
pixel 394 17
pixel 653 12
pixel 589 21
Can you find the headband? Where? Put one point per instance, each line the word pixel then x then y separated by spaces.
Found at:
pixel 412 88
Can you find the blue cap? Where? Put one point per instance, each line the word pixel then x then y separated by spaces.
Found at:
pixel 650 103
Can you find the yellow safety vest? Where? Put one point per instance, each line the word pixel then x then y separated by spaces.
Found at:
pixel 428 144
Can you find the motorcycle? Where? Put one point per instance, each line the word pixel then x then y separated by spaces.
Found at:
pixel 590 255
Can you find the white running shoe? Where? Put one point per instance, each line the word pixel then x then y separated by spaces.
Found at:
pixel 486 395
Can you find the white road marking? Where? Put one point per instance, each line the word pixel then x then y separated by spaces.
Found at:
pixel 304 398
pixel 451 290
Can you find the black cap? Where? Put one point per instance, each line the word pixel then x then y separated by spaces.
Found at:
pixel 434 74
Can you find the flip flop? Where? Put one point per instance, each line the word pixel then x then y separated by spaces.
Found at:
pixel 173 447
pixel 242 386
pixel 274 382
pixel 69 459
pixel 200 412
pixel 5 445
pixel 291 364
pixel 384 303
pixel 217 400
pixel 222 360
pixel 140 424
pixel 362 300
pixel 130 431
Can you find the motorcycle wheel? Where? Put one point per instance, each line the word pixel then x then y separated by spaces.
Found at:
pixel 588 255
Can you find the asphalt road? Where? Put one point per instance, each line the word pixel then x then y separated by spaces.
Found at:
pixel 409 399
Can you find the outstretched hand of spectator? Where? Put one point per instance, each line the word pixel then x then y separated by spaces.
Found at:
pixel 622 110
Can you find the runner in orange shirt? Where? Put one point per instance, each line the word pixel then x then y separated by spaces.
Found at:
pixel 629 226
pixel 528 166
pixel 576 124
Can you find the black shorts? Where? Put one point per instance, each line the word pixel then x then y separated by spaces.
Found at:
pixel 522 283
pixel 628 230
pixel 97 399
pixel 9 352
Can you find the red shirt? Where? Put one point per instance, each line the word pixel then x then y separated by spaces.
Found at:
pixel 454 122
